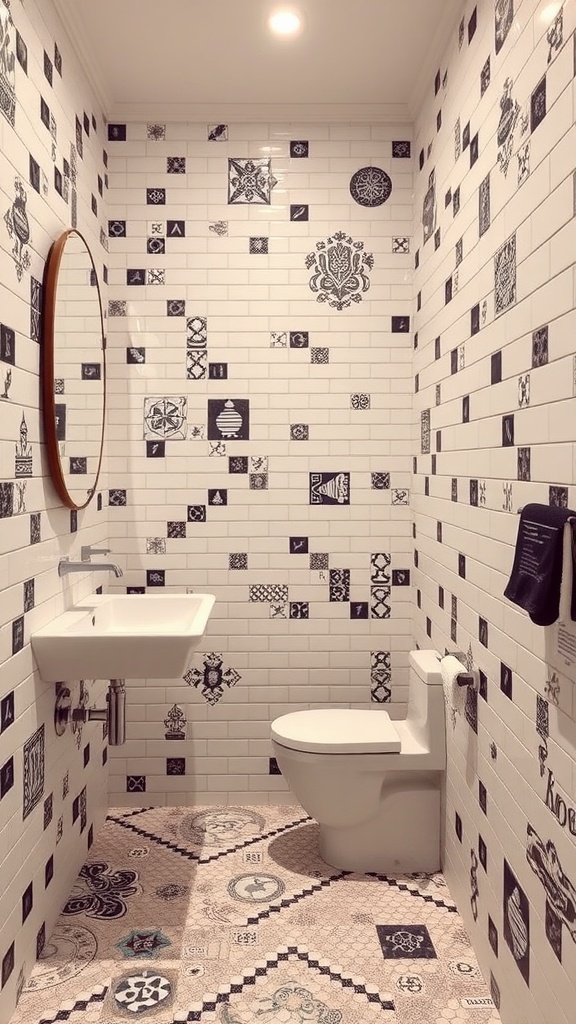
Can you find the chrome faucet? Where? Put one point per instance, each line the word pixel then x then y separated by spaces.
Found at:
pixel 65 566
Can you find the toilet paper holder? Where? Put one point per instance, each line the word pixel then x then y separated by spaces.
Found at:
pixel 463 678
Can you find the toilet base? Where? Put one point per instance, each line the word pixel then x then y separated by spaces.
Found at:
pixel 403 838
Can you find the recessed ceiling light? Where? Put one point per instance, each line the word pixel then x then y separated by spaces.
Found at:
pixel 549 13
pixel 285 22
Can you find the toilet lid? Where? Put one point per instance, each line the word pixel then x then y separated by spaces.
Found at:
pixel 337 731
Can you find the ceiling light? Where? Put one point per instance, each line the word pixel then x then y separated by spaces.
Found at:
pixel 285 22
pixel 549 13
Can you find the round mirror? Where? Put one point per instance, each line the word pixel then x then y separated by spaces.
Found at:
pixel 73 369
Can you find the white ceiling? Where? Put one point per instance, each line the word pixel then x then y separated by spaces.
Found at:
pixel 177 56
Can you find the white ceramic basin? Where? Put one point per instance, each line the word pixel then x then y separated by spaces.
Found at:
pixel 122 636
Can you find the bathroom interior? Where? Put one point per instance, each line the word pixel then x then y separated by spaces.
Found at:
pixel 380 198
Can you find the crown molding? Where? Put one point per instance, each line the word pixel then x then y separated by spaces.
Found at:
pixel 230 113
pixel 438 46
pixel 72 23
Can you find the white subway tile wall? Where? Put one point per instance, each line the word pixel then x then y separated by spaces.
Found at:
pixel 52 789
pixel 260 395
pixel 495 406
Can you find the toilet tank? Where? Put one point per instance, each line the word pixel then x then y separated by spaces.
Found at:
pixel 426 717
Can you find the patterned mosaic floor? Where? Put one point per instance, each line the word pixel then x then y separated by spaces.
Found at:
pixel 229 915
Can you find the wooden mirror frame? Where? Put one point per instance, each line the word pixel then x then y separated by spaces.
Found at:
pixel 50 285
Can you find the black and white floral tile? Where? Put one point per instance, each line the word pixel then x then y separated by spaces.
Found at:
pixel 229 915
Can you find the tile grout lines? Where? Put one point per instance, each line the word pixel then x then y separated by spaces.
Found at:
pixel 413 892
pixel 211 1000
pixel 207 859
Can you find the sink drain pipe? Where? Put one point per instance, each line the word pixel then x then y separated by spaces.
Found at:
pixel 114 713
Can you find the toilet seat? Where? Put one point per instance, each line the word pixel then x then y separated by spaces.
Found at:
pixel 337 731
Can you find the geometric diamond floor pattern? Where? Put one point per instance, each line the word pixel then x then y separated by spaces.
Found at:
pixel 228 915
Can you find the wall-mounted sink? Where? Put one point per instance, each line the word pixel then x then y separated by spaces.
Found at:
pixel 122 636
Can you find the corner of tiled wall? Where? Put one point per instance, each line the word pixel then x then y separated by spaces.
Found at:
pixel 494 379
pixel 52 789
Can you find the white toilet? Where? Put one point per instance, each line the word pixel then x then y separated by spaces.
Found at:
pixel 372 785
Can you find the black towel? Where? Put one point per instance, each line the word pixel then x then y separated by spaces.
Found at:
pixel 537 570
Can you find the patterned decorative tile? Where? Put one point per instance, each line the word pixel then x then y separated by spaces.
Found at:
pixel 258 246
pixel 329 488
pixel 405 941
pixel 212 678
pixel 505 276
pixel 503 19
pixel 33 771
pixel 401 244
pixel 165 418
pixel 250 181
pixel 538 104
pixel 340 270
pixel 370 186
pixel 484 205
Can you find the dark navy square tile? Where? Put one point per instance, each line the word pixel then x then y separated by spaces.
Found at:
pixel 156 196
pixel 27 901
pixel 496 367
pixel 7 711
pixel 40 940
pixel 228 419
pixel 196 513
pixel 237 463
pixel 48 68
pixel 135 783
pixel 21 52
pixel 493 935
pixel 218 371
pixel 506 680
pixel 6 777
pixel 48 871
pixel 117 133
pixel 538 104
pixel 400 324
pixel 329 488
pixel 508 430
pixel 217 496
pixel 34 173
pixel 405 941
pixel 155 577
pixel 176 228
pixel 155 449
pixel 7 965
pixel 299 211
pixel 298 545
pixel 17 634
